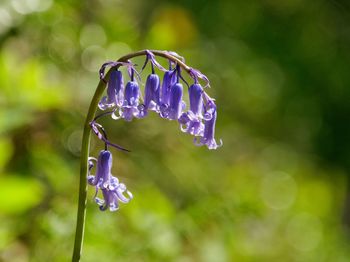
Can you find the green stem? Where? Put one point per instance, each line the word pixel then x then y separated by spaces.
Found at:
pixel 85 148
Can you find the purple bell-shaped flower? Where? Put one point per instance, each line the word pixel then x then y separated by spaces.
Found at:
pixel 208 138
pixel 176 104
pixel 196 101
pixel 103 170
pixel 115 90
pixel 191 121
pixel 169 80
pixel 112 190
pixel 152 90
pixel 129 109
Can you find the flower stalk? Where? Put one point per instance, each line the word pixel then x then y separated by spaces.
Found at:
pixel 85 148
pixel 90 121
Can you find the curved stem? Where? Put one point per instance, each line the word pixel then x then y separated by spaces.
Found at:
pixel 85 147
pixel 157 53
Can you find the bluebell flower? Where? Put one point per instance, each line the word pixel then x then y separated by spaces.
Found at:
pixel 191 121
pixel 208 138
pixel 200 118
pixel 196 100
pixel 176 104
pixel 130 107
pixel 152 92
pixel 115 88
pixel 166 99
pixel 112 191
pixel 103 170
pixel 169 80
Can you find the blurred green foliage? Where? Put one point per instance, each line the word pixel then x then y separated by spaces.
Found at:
pixel 277 190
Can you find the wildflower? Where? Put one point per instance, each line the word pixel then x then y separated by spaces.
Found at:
pixel 152 90
pixel 200 118
pixel 208 134
pixel 115 88
pixel 169 80
pixel 130 107
pixel 111 189
pixel 125 103
pixel 103 170
pixel 196 101
pixel 176 104
pixel 191 121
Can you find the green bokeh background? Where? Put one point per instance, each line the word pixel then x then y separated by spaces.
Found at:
pixel 277 190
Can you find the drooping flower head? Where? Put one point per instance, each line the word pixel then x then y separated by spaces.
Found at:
pixel 172 95
pixel 175 102
pixel 208 137
pixel 196 100
pixel 166 98
pixel 103 170
pixel 132 94
pixel 104 181
pixel 191 121
pixel 152 90
pixel 169 80
pixel 130 109
pixel 115 88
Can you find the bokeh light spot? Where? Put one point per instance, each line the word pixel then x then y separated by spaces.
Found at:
pixel 92 34
pixel 5 20
pixel 304 232
pixel 172 28
pixel 278 190
pixel 61 48
pixel 93 57
pixel 29 6
pixel 117 49
pixel 74 142
pixel 213 250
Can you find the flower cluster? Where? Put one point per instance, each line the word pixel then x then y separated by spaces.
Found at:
pixel 163 97
pixel 166 98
